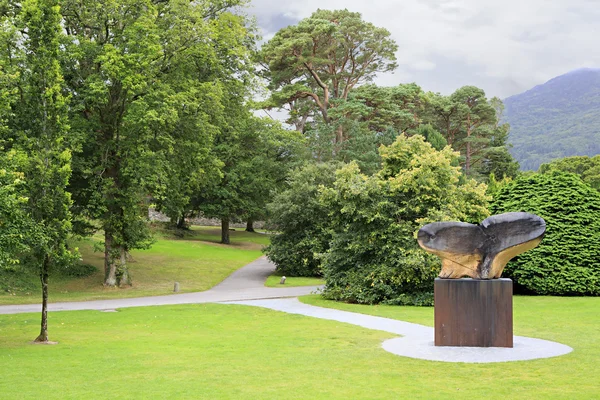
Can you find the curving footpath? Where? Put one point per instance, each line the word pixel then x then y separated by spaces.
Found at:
pixel 246 283
pixel 246 287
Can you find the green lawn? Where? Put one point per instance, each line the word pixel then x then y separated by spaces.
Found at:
pixel 291 281
pixel 215 351
pixel 197 261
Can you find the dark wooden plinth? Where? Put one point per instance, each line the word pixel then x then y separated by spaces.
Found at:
pixel 473 312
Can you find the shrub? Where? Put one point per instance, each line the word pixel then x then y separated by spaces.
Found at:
pixel 300 222
pixel 78 270
pixel 567 262
pixel 587 168
pixel 374 257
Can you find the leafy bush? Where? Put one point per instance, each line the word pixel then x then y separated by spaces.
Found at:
pixel 374 256
pixel 300 220
pixel 78 270
pixel 587 168
pixel 567 262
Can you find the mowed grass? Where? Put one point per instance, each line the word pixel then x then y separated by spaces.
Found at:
pixel 211 351
pixel 574 321
pixel 197 261
pixel 292 281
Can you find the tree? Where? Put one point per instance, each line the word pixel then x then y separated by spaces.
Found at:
pixel 373 256
pixel 398 107
pixel 147 80
pixel 361 146
pixel 322 59
pixel 474 116
pixel 255 154
pixel 432 136
pixel 471 125
pixel 276 152
pixel 587 168
pixel 566 262
pixel 14 223
pixel 496 160
pixel 300 221
pixel 41 119
pixel 12 218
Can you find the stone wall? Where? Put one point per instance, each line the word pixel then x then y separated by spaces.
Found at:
pixel 154 215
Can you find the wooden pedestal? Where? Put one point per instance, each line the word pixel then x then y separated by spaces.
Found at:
pixel 473 312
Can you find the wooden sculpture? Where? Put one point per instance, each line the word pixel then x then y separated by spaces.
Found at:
pixel 481 251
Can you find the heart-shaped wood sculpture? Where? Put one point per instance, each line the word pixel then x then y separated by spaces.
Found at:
pixel 481 251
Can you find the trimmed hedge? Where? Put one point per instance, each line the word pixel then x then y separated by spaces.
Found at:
pixel 567 262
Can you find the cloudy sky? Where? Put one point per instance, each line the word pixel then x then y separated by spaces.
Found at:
pixel 502 46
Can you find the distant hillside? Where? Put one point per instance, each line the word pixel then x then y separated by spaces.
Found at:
pixel 557 119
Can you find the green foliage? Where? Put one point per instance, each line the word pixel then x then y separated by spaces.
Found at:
pixel 78 270
pixel 588 168
pixel 361 146
pixel 470 123
pixel 14 223
pixel 311 65
pixel 256 155
pixel 432 136
pixel 567 262
pixel 397 107
pixel 40 144
pixel 497 160
pixel 300 221
pixel 494 185
pixel 373 255
pixel 41 120
pixel 149 82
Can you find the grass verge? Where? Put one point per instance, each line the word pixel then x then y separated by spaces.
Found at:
pixel 197 261
pixel 235 352
pixel 292 281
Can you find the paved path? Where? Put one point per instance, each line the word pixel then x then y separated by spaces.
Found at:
pixel 244 284
pixel 417 340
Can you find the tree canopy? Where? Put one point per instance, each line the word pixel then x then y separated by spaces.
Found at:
pixel 587 168
pixel 359 230
pixel 147 81
pixel 321 59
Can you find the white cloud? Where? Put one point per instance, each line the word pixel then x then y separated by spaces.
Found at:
pixel 423 65
pixel 505 47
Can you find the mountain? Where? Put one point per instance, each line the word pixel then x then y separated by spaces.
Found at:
pixel 559 118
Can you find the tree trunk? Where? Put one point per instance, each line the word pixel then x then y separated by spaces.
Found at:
pixel 181 223
pixel 250 226
pixel 468 159
pixel 110 266
pixel 124 279
pixel 301 123
pixel 43 337
pixel 468 147
pixel 225 230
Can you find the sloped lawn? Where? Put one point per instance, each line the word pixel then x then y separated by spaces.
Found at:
pixel 197 261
